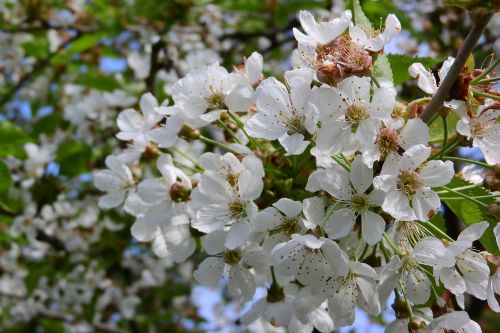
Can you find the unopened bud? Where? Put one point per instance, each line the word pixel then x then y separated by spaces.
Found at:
pixel 188 133
pixel 180 192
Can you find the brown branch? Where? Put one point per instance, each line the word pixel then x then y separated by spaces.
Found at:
pixel 39 66
pixel 479 24
pixel 156 65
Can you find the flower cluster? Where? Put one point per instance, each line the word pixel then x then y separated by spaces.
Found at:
pixel 322 188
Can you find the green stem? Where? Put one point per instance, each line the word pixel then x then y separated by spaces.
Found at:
pixel 492 196
pixel 391 244
pixel 217 143
pixel 187 157
pixel 459 188
pixel 486 95
pixel 241 126
pixel 182 165
pixel 376 81
pixel 466 160
pixel 446 150
pixel 329 213
pixel 435 230
pixel 465 196
pixel 485 72
pixel 417 101
pixel 341 163
pixel 228 130
pixel 445 135
pixel 494 79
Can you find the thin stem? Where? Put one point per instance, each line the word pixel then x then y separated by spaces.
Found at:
pixel 446 150
pixel 417 101
pixel 492 196
pixel 436 230
pixel 345 159
pixel 494 79
pixel 466 160
pixel 479 24
pixel 445 135
pixel 485 72
pixel 376 81
pixel 486 95
pixel 217 143
pixel 241 126
pixel 329 213
pixel 460 188
pixel 341 163
pixel 465 196
pixel 391 244
pixel 187 157
pixel 228 130
pixel 408 307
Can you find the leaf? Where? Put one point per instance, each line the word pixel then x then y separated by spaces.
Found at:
pixel 38 47
pixel 93 79
pixel 5 178
pixel 360 17
pixel 436 129
pixel 47 124
pixel 439 222
pixel 382 68
pixel 401 62
pixel 73 157
pixel 12 140
pixel 470 212
pixel 87 41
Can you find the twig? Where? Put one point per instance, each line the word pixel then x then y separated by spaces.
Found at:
pixel 479 24
pixel 40 65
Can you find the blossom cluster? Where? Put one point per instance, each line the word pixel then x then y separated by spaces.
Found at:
pixel 322 188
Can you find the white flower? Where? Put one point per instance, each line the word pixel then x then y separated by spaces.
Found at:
pixel 136 126
pixel 281 221
pixel 234 264
pixel 282 114
pixel 403 179
pixel 395 134
pixel 164 194
pixel 425 79
pixel 205 93
pixel 483 128
pixel 456 321
pixel 493 287
pixel 471 268
pixel 349 116
pixel 140 64
pixel 349 189
pixel 372 40
pixel 38 158
pixel 251 71
pixel 170 238
pixel 357 287
pixel 228 204
pixel 309 258
pixel 116 181
pixel 320 33
pixel 279 313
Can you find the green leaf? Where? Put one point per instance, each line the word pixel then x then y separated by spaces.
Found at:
pixel 401 62
pixel 12 140
pixel 5 178
pixel 470 212
pixel 87 41
pixel 436 129
pixel 98 81
pixel 438 221
pixel 360 17
pixel 382 68
pixel 38 47
pixel 73 157
pixel 47 124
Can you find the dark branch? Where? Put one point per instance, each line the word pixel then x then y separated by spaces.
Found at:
pixel 479 24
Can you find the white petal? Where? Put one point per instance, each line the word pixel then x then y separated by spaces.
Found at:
pixel 425 79
pixel 294 144
pixel 372 227
pixel 112 200
pixel 341 223
pixel 361 176
pixel 397 204
pixel 288 207
pixel 425 203
pixel 431 251
pixel 415 132
pixel 437 173
pixel 238 234
pixel 250 187
pixel 210 272
pixel 213 243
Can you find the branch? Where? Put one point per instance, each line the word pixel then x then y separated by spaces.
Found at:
pixel 40 65
pixel 479 24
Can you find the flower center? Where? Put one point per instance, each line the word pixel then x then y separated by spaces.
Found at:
pixel 409 181
pixel 387 140
pixel 216 101
pixel 290 226
pixel 359 202
pixel 342 58
pixel 295 125
pixel 237 209
pixel 355 113
pixel 232 257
